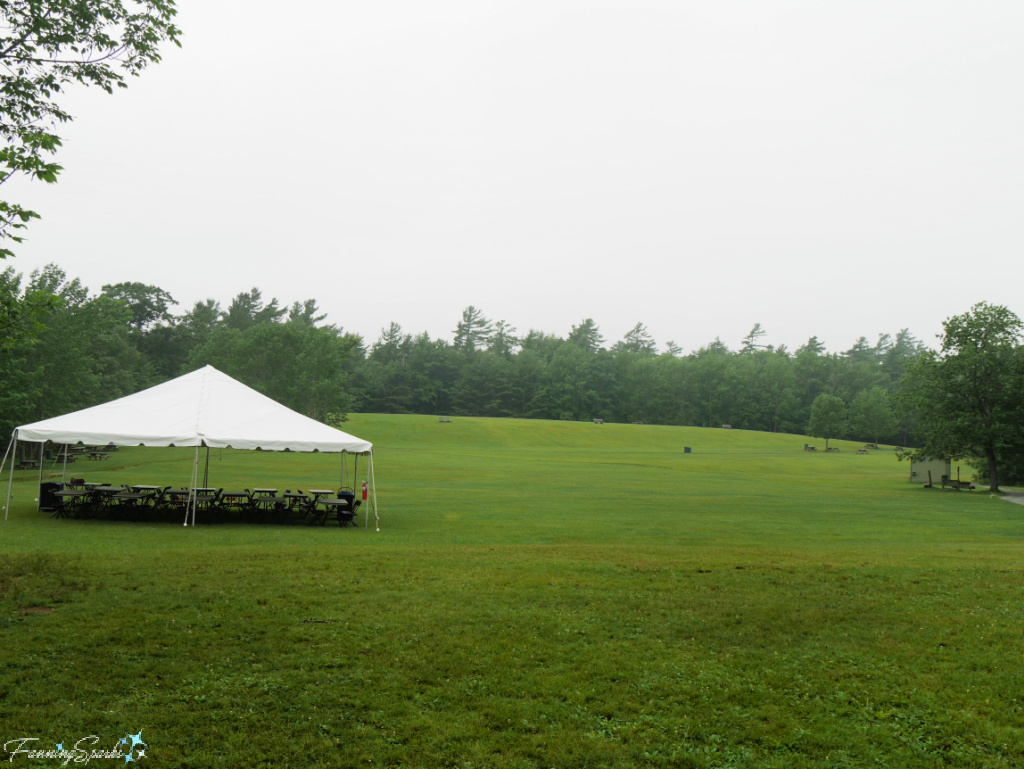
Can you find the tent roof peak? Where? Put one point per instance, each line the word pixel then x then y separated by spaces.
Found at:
pixel 203 407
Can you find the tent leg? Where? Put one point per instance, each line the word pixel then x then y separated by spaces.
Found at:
pixel 39 500
pixel 192 490
pixel 373 492
pixel 10 481
pixel 195 495
pixel 195 479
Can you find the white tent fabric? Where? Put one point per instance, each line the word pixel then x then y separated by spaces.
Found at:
pixel 204 408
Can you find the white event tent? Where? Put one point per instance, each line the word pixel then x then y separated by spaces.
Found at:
pixel 203 408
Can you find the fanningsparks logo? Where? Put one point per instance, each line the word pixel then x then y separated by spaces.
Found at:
pixel 129 749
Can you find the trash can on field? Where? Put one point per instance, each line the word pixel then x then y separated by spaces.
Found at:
pixel 48 501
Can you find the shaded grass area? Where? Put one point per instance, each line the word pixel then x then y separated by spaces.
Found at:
pixel 540 595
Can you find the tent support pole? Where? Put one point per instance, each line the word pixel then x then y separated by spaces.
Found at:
pixel 10 481
pixel 64 467
pixel 195 479
pixel 206 472
pixel 42 445
pixel 192 488
pixel 373 492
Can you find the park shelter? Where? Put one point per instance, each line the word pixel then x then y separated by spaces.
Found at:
pixel 203 408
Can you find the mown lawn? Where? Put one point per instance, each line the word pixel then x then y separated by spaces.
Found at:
pixel 540 594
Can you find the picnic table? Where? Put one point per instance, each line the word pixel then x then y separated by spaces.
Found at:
pixel 236 500
pixel 957 485
pixel 297 502
pixel 71 502
pixel 266 501
pixel 344 507
pixel 130 502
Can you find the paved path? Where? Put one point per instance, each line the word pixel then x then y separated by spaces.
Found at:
pixel 1010 495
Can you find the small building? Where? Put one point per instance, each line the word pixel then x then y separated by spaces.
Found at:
pixel 941 470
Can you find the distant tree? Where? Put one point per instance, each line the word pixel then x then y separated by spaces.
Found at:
pixel 80 355
pixel 247 310
pixel 969 397
pixel 861 350
pixel 503 340
pixel 871 414
pixel 46 46
pixel 828 417
pixel 306 314
pixel 637 341
pixel 389 347
pixel 201 320
pixel 149 305
pixel 473 331
pixel 896 356
pixel 671 348
pixel 21 312
pixel 586 335
pixel 813 347
pixel 752 341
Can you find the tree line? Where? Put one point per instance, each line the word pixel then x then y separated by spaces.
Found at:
pixel 65 348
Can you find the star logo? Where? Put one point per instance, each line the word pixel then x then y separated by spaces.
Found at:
pixel 136 741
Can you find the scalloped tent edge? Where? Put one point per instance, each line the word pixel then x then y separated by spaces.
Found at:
pixel 203 408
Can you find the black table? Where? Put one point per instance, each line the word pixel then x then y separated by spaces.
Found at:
pixel 131 502
pixel 237 500
pixel 344 509
pixel 70 502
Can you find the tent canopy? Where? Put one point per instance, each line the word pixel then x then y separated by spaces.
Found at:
pixel 204 408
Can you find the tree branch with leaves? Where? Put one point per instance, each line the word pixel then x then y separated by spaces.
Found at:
pixel 47 45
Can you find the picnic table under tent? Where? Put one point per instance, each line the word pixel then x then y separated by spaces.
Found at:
pixel 204 408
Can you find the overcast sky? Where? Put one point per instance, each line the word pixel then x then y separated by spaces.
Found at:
pixel 836 169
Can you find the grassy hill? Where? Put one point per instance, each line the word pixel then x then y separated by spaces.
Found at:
pixel 540 594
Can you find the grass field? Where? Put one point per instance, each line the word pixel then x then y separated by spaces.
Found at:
pixel 541 594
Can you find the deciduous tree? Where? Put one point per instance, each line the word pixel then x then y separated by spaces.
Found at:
pixel 46 46
pixel 828 417
pixel 969 396
pixel 871 415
